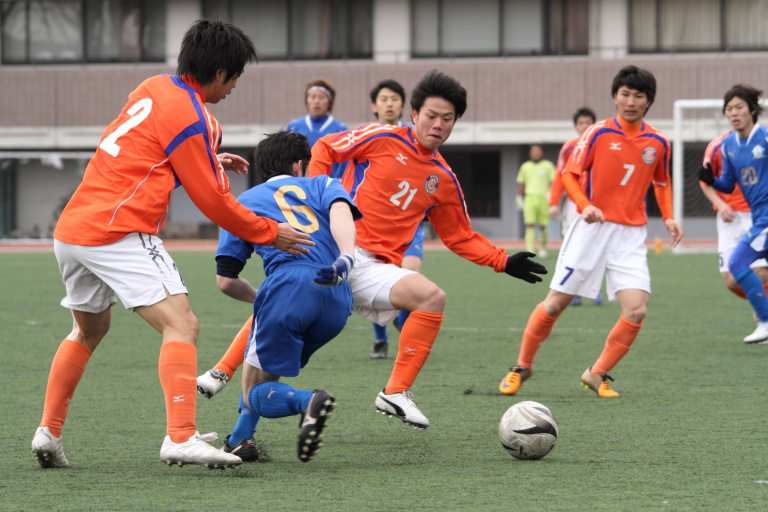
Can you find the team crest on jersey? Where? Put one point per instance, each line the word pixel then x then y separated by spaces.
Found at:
pixel 430 186
pixel 758 152
pixel 649 155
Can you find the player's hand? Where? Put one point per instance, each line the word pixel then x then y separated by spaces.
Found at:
pixel 234 163
pixel 336 273
pixel 592 214
pixel 675 230
pixel 520 202
pixel 521 266
pixel 725 212
pixel 706 175
pixel 291 241
pixel 553 212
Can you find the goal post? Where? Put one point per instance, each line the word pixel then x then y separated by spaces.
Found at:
pixel 695 123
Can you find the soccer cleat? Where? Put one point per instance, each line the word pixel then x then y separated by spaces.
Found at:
pixel 211 382
pixel 576 301
pixel 511 382
pixel 197 451
pixel 599 300
pixel 313 419
pixel 402 406
pixel 245 449
pixel 379 349
pixel 48 449
pixel 760 334
pixel 602 388
pixel 542 253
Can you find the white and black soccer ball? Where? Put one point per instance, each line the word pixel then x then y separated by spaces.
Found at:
pixel 528 430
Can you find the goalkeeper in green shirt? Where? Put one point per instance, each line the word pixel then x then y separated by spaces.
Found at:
pixel 533 180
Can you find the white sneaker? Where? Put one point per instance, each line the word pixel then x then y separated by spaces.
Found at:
pixel 197 451
pixel 48 449
pixel 760 334
pixel 211 382
pixel 402 406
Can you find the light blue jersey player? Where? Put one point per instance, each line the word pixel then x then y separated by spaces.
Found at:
pixel 303 302
pixel 318 98
pixel 745 161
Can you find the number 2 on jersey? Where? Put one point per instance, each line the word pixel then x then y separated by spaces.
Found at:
pixel 139 112
pixel 405 188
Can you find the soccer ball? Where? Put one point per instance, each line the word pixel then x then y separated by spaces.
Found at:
pixel 528 430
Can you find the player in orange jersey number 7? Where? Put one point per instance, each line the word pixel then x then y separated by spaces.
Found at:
pixel 609 237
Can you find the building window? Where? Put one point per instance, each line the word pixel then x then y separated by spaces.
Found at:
pixel 479 174
pixel 38 32
pixel 456 28
pixel 301 29
pixel 698 25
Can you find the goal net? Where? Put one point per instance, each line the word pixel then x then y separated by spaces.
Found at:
pixel 695 124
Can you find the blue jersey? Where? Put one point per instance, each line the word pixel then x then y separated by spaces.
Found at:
pixel 313 129
pixel 303 203
pixel 745 161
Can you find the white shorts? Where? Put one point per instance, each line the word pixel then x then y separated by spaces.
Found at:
pixel 591 251
pixel 569 215
pixel 729 234
pixel 372 280
pixel 137 269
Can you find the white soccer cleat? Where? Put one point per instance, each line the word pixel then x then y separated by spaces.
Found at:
pixel 48 449
pixel 402 406
pixel 211 382
pixel 760 334
pixel 197 451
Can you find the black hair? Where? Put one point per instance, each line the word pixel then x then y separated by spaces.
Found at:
pixel 747 93
pixel 277 152
pixel 388 84
pixel 210 45
pixel 436 84
pixel 584 112
pixel 635 78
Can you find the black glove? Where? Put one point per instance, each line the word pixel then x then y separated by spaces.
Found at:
pixel 706 175
pixel 520 265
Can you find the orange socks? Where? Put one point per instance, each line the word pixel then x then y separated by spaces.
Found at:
pixel 235 354
pixel 536 331
pixel 178 377
pixel 416 339
pixel 66 370
pixel 617 345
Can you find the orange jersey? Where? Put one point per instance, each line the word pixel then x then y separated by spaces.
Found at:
pixel 713 157
pixel 395 182
pixel 619 161
pixel 557 189
pixel 165 137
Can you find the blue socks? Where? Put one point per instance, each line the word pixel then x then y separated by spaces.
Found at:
pixel 380 331
pixel 270 400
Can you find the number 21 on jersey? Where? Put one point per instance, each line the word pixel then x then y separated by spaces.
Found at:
pixel 403 197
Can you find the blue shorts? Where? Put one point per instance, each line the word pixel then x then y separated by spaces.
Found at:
pixel 417 244
pixel 293 318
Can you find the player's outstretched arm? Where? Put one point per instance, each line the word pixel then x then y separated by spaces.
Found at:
pixel 290 240
pixel 521 266
pixel 344 233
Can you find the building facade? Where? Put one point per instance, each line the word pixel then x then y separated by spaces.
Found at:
pixel 68 66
